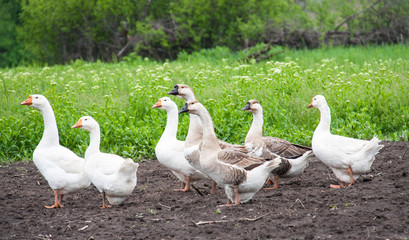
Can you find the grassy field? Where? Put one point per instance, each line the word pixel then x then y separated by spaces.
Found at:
pixel 366 88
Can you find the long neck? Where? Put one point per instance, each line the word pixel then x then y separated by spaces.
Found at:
pixel 171 124
pixel 189 97
pixel 50 135
pixel 256 129
pixel 94 142
pixel 210 141
pixel 195 132
pixel 325 119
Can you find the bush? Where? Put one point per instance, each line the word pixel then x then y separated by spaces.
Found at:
pixel 9 47
pixel 65 30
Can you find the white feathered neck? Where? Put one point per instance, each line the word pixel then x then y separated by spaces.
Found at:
pixel 325 118
pixel 50 135
pixel 94 141
pixel 171 124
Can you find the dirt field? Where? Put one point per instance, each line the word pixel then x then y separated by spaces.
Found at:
pixel 302 208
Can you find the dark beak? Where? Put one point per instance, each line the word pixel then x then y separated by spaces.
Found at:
pixel 247 107
pixel 174 91
pixel 184 109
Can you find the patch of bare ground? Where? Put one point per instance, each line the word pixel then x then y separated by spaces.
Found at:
pixel 302 208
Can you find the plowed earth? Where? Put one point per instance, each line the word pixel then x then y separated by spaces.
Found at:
pixel 377 207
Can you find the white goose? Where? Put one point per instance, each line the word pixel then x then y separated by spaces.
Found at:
pixel 347 157
pixel 170 151
pixel 270 147
pixel 62 168
pixel 241 175
pixel 193 142
pixel 111 174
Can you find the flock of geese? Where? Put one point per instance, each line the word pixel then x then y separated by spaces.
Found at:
pixel 241 170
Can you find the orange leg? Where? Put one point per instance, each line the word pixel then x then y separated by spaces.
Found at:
pixel 56 204
pixel 275 183
pixel 228 204
pixel 352 180
pixel 185 186
pixel 103 201
pixel 214 187
pixel 237 199
pixel 338 186
pixel 60 200
pixel 236 193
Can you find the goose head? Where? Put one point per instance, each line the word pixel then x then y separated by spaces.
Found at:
pixel 165 103
pixel 37 101
pixel 318 102
pixel 192 107
pixel 252 106
pixel 183 91
pixel 87 123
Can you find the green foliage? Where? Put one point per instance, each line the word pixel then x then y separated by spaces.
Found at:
pixel 151 40
pixel 365 15
pixel 91 30
pixel 9 47
pixel 235 24
pixel 35 31
pixel 391 16
pixel 72 29
pixel 365 88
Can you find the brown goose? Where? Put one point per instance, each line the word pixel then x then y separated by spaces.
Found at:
pixel 270 147
pixel 240 175
pixel 193 142
pixel 185 92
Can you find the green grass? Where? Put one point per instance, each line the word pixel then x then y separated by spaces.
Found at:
pixel 366 88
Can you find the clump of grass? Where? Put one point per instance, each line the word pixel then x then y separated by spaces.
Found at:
pixel 366 90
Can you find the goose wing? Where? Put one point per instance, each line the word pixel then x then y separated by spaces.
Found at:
pixel 65 159
pixel 226 145
pixel 285 148
pixel 347 145
pixel 108 163
pixel 233 157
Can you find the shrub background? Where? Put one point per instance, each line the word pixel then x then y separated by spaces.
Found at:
pixel 44 32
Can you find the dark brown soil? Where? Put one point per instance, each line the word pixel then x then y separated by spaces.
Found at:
pixel 302 208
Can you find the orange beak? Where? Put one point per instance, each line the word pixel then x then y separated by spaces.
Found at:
pixel 310 106
pixel 28 101
pixel 78 124
pixel 158 104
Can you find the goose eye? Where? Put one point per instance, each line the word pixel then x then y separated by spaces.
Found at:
pixel 85 119
pixel 36 97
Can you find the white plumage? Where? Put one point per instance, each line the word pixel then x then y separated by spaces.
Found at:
pixel 61 167
pixel 113 176
pixel 170 151
pixel 347 157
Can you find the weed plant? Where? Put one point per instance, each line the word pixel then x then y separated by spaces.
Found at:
pixel 366 89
